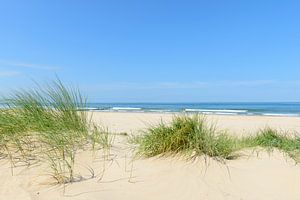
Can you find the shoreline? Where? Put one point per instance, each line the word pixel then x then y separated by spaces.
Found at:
pixel 190 113
pixel 221 108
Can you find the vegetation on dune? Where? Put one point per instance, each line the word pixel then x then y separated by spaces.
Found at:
pixel 272 139
pixel 190 135
pixel 47 124
pixel 193 136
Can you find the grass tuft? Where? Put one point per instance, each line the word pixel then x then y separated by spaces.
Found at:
pixel 47 124
pixel 188 135
pixel 271 139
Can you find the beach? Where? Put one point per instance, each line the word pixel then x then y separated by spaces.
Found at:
pixel 149 100
pixel 257 174
pixel 133 123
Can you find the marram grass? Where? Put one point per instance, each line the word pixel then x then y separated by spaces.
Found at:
pixel 194 136
pixel 272 139
pixel 190 135
pixel 47 124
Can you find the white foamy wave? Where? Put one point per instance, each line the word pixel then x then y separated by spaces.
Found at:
pixel 125 108
pixel 160 111
pixel 91 108
pixel 216 111
pixel 225 113
pixel 87 108
pixel 281 115
pixel 207 113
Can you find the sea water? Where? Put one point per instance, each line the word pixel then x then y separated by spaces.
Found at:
pixel 266 109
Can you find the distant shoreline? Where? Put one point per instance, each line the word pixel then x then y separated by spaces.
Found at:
pixel 244 109
pixel 226 113
pixel 282 109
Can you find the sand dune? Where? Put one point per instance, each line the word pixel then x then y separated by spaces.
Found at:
pixel 254 176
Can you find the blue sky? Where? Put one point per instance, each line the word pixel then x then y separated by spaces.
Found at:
pixel 156 50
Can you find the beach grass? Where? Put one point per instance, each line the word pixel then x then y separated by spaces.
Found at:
pixel 47 124
pixel 194 136
pixel 271 139
pixel 190 135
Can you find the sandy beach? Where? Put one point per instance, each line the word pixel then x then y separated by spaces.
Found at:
pixel 255 175
pixel 133 123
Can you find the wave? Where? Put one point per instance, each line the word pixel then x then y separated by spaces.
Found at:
pixel 159 111
pixel 280 114
pixel 209 109
pixel 87 108
pixel 216 111
pixel 125 108
pixel 225 113
pixel 90 108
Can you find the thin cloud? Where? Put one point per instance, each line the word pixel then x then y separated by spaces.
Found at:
pixel 27 65
pixel 9 73
pixel 245 83
pixel 178 85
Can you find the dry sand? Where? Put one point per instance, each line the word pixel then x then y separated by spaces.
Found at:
pixel 254 176
pixel 134 122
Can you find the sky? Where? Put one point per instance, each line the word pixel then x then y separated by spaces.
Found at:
pixel 154 50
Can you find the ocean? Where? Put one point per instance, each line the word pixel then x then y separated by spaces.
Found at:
pixel 265 109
